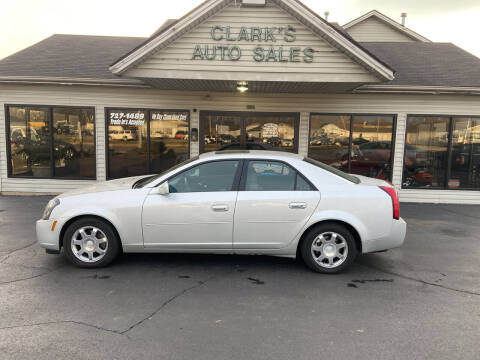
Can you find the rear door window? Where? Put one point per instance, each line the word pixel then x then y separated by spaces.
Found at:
pixel 264 175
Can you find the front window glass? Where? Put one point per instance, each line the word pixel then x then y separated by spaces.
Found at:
pixel 358 144
pixel 46 146
pixel 221 131
pixel 146 141
pixel 329 139
pixel 127 143
pixel 248 130
pixel 426 147
pixel 275 132
pixel 465 170
pixel 169 137
pixel 372 146
pixel 74 142
pixel 208 177
pixel 29 142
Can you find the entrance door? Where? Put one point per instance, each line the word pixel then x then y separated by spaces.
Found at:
pixel 248 130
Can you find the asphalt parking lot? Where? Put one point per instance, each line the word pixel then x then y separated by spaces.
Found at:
pixel 418 302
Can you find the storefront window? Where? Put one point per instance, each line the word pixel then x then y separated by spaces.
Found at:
pixel 359 145
pixel 465 168
pixel 372 146
pixel 74 142
pixel 221 131
pixel 169 138
pixel 442 152
pixel 68 151
pixel 276 132
pixel 426 148
pixel 145 141
pixel 329 140
pixel 247 130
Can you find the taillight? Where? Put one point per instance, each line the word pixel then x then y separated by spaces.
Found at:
pixel 393 195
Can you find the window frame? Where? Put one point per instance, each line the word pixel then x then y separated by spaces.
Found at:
pixel 243 179
pixel 448 164
pixel 350 141
pixel 243 115
pixel 50 109
pixel 148 110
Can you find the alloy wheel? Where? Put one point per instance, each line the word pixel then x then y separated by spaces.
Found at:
pixel 329 250
pixel 89 244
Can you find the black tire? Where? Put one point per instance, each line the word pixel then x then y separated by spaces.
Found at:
pixel 113 247
pixel 306 248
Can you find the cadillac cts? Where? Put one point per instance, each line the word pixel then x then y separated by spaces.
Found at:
pixel 241 202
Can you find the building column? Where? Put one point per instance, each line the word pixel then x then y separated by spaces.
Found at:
pixel 195 123
pixel 399 150
pixel 100 148
pixel 303 133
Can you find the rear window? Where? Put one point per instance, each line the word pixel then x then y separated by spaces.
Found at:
pixel 332 170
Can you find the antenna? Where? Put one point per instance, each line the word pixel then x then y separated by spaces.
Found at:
pixel 404 17
pixel 326 13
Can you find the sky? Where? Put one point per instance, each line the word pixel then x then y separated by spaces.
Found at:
pixel 25 22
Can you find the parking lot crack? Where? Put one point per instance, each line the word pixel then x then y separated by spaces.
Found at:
pixel 462 291
pixel 28 278
pixel 16 250
pixel 47 323
pixel 166 302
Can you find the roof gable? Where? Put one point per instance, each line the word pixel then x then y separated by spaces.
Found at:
pixel 206 26
pixel 375 26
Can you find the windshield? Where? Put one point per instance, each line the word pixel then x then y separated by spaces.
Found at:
pixel 145 181
pixel 331 169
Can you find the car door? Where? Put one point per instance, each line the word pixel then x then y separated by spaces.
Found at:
pixel 273 205
pixel 198 211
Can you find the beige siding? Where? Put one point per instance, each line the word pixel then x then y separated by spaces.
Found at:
pixel 175 61
pixel 373 29
pixel 101 97
pixel 303 133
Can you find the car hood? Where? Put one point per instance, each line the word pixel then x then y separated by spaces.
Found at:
pixel 103 186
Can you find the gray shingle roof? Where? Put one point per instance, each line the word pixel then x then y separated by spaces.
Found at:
pixel 82 56
pixel 69 56
pixel 428 64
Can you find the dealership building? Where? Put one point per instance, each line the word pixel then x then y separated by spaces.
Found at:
pixel 371 97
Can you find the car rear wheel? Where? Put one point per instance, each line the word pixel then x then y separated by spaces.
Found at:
pixel 91 243
pixel 329 248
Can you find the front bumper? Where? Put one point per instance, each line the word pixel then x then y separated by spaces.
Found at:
pixel 47 238
pixel 393 240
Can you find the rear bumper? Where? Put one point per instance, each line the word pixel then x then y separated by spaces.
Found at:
pixel 47 238
pixel 393 240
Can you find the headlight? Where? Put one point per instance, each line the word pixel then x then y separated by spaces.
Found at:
pixel 49 208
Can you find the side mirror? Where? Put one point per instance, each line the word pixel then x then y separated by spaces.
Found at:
pixel 162 189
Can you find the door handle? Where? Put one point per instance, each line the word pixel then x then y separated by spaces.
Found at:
pixel 220 207
pixel 297 205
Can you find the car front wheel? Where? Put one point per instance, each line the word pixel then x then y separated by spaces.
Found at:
pixel 329 248
pixel 91 243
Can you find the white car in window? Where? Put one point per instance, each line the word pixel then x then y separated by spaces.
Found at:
pixel 240 202
pixel 124 135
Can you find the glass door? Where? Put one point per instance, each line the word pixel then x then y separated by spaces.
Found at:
pixel 248 130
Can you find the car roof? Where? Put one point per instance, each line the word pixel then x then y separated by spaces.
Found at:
pixel 253 154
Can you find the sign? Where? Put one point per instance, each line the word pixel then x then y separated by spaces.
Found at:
pixel 264 39
pixel 270 130
pixel 127 118
pixel 168 116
